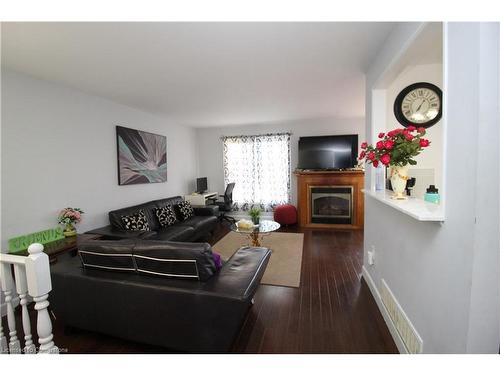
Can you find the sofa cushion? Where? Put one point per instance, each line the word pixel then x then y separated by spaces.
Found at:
pixel 111 233
pixel 110 255
pixel 210 210
pixel 115 217
pixel 149 208
pixel 174 233
pixel 166 215
pixel 136 221
pixel 201 223
pixel 175 259
pixel 186 210
pixel 170 259
pixel 168 201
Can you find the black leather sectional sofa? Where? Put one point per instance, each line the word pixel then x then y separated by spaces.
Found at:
pixel 196 228
pixel 159 286
pixel 129 289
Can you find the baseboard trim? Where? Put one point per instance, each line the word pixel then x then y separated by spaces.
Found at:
pixel 3 307
pixel 385 314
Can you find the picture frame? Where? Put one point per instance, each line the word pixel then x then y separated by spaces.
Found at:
pixel 141 156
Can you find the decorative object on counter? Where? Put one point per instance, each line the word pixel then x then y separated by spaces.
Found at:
pixel 397 149
pixel 380 178
pixel 399 177
pixel 419 105
pixel 69 217
pixel 244 224
pixel 410 184
pixel 432 195
pixel 255 214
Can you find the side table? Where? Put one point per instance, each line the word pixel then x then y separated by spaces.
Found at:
pixel 65 247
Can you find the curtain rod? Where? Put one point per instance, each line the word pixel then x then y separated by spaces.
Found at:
pixel 255 135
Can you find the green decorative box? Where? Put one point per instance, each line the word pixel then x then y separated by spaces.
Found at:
pixel 21 243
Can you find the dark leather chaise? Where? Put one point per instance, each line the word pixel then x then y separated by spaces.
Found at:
pixel 196 228
pixel 160 293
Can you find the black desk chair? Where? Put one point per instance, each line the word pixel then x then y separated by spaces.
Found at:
pixel 227 204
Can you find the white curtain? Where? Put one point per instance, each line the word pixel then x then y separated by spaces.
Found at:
pixel 259 165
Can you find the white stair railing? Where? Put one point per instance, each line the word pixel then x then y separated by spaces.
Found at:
pixel 32 278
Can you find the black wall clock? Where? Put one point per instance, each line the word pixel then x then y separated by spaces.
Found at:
pixel 420 105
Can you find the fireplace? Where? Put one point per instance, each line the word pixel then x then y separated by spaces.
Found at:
pixel 331 204
pixel 330 199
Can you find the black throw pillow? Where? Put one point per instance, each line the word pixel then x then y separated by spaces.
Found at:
pixel 186 210
pixel 136 221
pixel 166 215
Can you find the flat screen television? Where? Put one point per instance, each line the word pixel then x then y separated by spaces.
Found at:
pixel 201 185
pixel 328 152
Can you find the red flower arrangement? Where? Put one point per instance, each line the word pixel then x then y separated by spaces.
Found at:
pixel 397 148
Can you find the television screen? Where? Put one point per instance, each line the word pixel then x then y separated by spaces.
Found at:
pixel 201 185
pixel 328 152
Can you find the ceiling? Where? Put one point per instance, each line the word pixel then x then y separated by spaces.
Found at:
pixel 425 48
pixel 205 74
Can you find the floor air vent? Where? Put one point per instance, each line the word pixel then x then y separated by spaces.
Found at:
pixel 406 331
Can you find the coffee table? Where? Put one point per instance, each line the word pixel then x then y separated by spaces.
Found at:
pixel 265 227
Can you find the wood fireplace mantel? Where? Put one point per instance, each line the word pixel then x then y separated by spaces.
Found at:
pixel 308 179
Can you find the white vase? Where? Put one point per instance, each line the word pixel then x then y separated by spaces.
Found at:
pixel 399 176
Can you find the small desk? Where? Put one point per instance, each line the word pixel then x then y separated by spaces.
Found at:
pixel 200 199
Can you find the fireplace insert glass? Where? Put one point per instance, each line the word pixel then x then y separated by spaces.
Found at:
pixel 331 204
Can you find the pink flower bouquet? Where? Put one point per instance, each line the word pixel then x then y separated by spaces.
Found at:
pixel 70 215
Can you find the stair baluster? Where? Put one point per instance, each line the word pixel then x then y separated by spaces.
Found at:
pixel 22 291
pixel 7 288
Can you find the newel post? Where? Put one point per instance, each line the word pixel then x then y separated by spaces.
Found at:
pixel 39 286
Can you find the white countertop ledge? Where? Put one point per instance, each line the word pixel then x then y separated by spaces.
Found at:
pixel 414 207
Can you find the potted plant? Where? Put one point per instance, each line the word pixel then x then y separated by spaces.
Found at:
pixel 255 214
pixel 396 149
pixel 69 217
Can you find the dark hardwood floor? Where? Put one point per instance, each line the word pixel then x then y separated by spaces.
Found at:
pixel 332 311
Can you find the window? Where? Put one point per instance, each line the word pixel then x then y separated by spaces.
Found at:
pixel 259 165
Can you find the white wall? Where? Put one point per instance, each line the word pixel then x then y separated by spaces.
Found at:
pixel 431 157
pixel 3 309
pixel 435 269
pixel 484 315
pixel 59 150
pixel 210 161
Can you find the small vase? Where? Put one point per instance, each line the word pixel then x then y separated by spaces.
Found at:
pixel 255 220
pixel 69 230
pixel 399 176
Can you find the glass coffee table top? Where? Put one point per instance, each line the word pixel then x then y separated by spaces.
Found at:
pixel 264 227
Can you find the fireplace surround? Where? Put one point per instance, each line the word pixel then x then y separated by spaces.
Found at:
pixel 330 199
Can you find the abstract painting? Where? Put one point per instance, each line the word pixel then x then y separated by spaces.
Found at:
pixel 142 157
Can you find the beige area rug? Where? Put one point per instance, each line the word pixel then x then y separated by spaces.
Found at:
pixel 284 265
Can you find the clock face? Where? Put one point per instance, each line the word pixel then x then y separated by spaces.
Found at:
pixel 419 104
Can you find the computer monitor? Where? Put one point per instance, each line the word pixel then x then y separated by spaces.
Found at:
pixel 201 185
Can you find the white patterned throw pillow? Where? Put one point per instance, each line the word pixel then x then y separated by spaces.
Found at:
pixel 136 221
pixel 166 216
pixel 186 210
